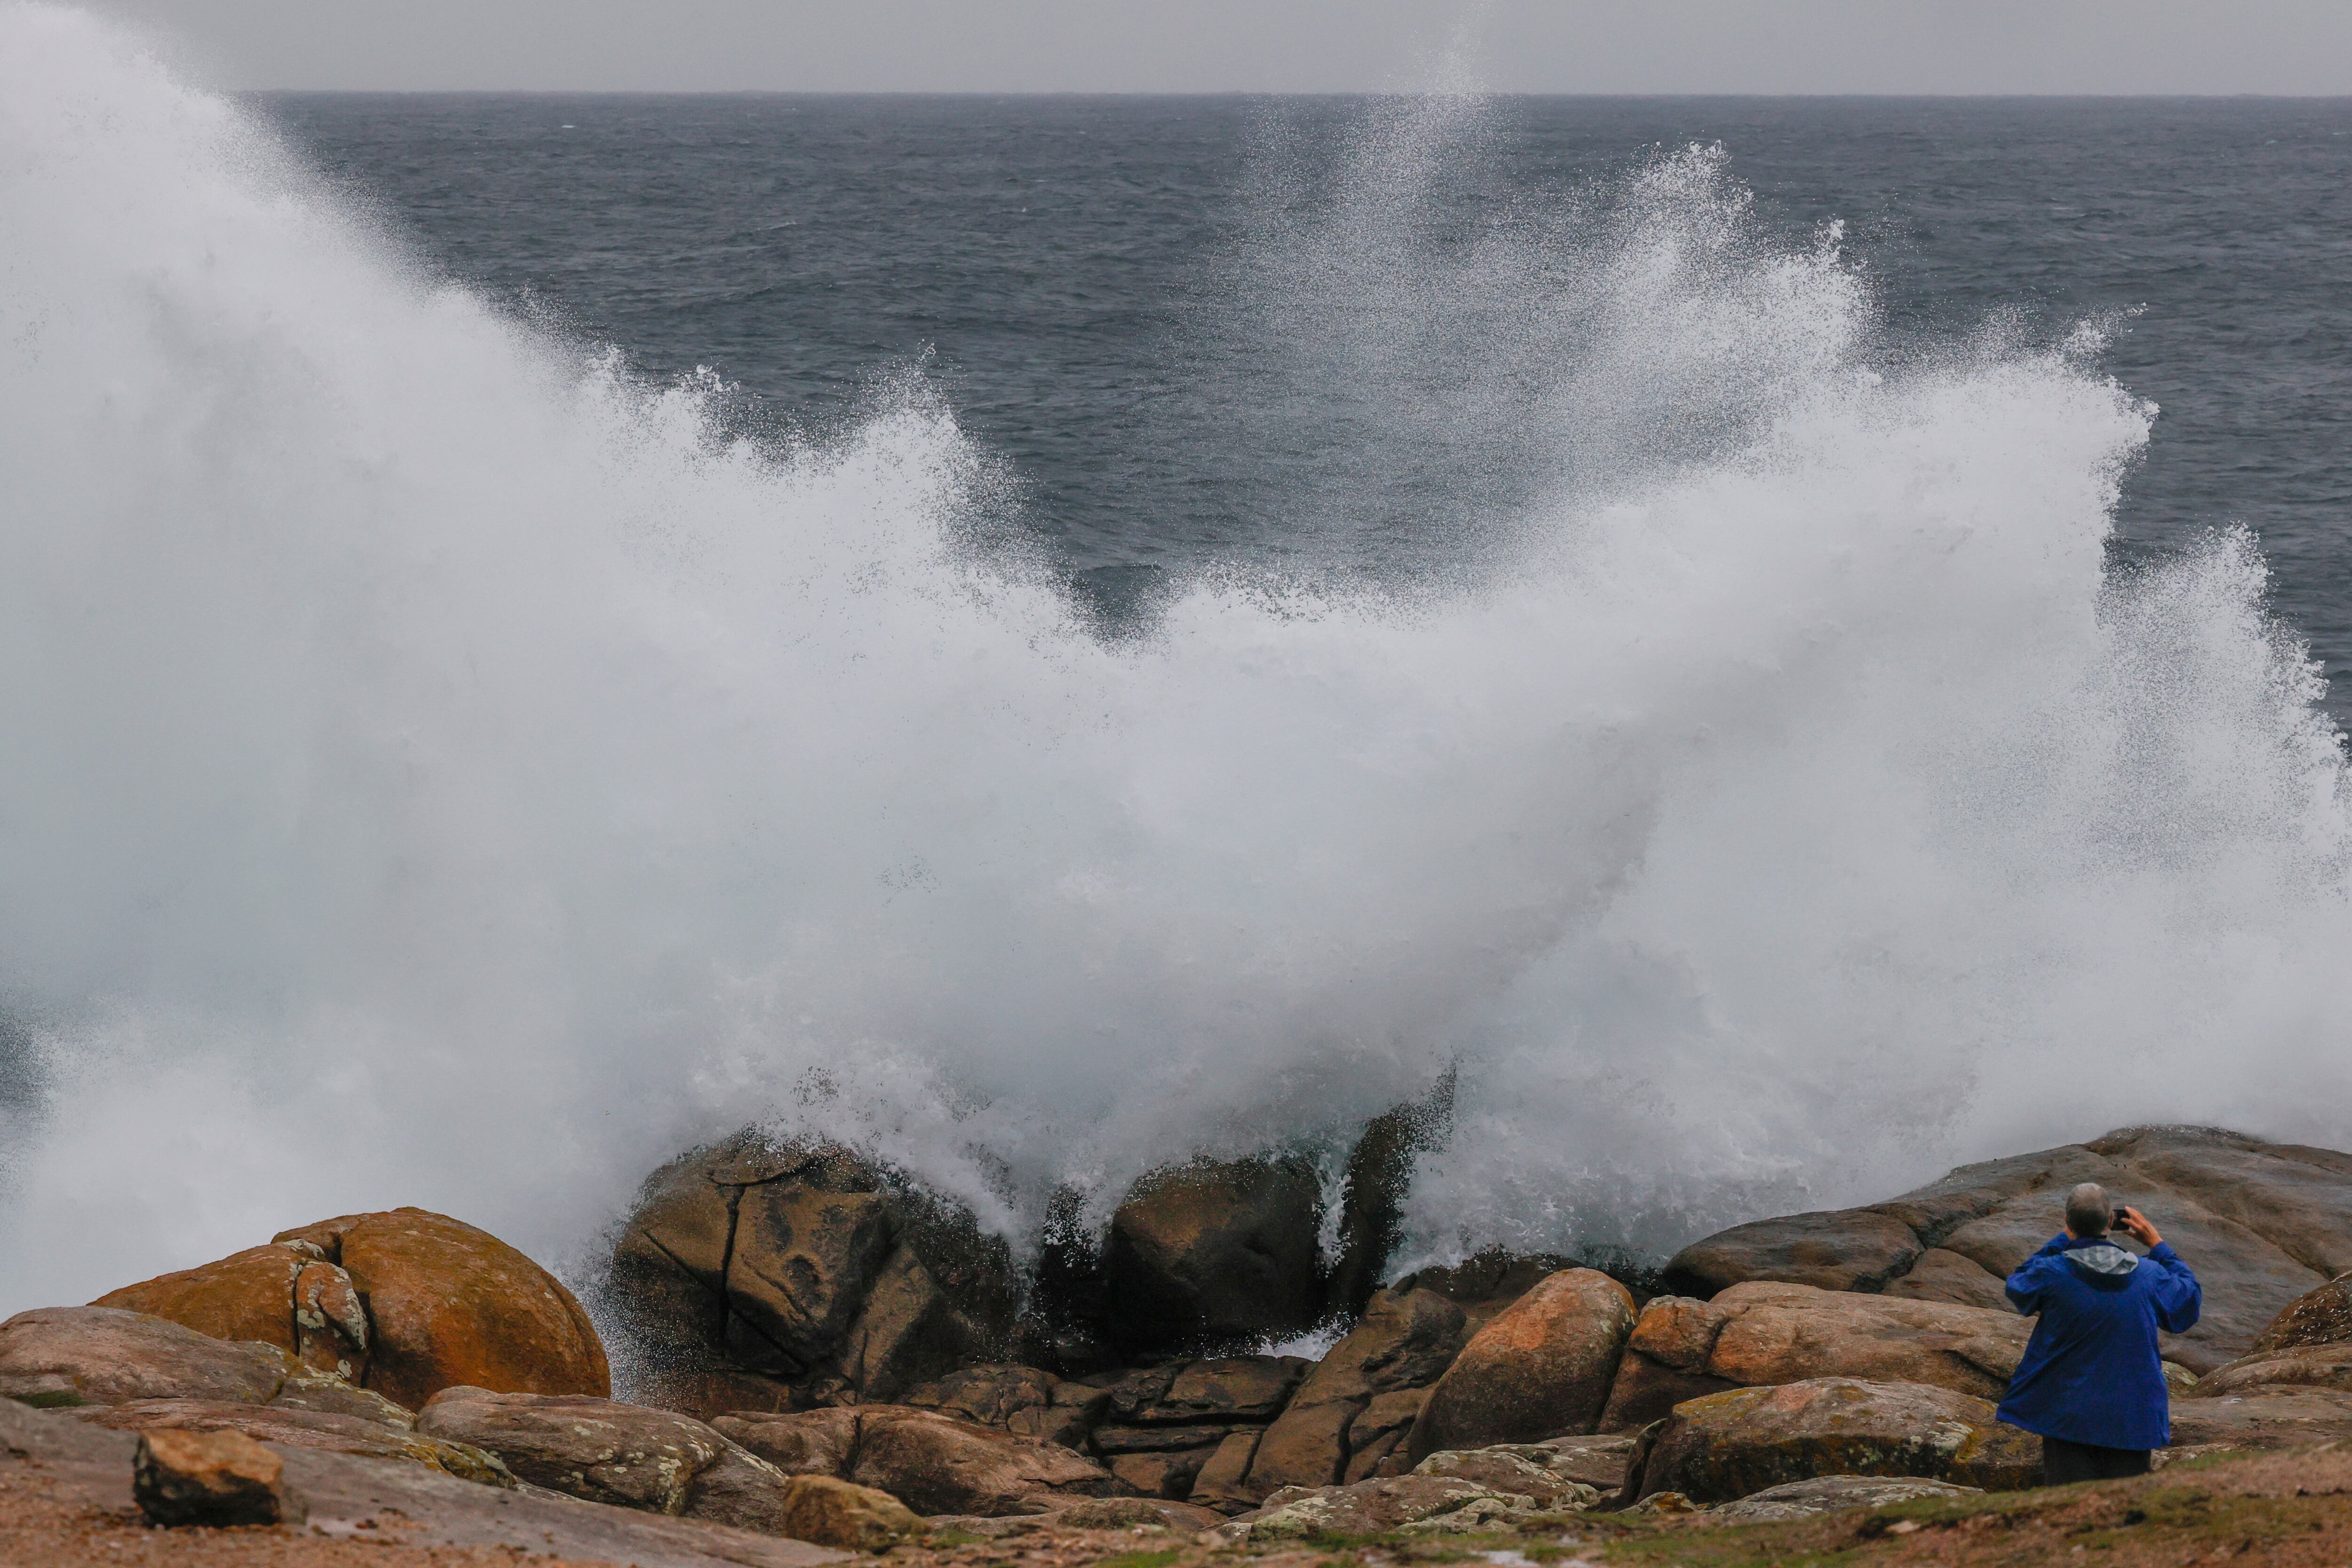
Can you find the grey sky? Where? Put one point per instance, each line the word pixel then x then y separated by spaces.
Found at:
pixel 1124 45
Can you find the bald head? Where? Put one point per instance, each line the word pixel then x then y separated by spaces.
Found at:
pixel 2089 1212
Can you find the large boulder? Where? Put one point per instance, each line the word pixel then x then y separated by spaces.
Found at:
pixel 406 1302
pixel 2297 1366
pixel 1740 1442
pixel 325 1431
pixel 755 1275
pixel 625 1455
pixel 64 1356
pixel 932 1463
pixel 1350 1418
pixel 2261 1223
pixel 1215 1253
pixel 1540 1369
pixel 2323 1316
pixel 1761 1333
pixel 285 1294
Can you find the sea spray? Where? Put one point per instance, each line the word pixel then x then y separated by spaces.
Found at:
pixel 441 769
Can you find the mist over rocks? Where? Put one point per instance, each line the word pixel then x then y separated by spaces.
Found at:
pixel 758 1276
pixel 1215 1253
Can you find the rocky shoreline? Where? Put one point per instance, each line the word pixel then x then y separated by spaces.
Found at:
pixel 833 1357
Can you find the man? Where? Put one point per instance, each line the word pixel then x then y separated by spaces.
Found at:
pixel 2091 1383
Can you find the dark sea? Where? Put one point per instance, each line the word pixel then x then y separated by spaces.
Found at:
pixel 1098 288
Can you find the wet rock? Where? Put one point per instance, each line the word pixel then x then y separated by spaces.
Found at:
pixel 1158 1439
pixel 1215 1252
pixel 831 1513
pixel 932 1463
pixel 448 1305
pixel 1736 1443
pixel 1235 1389
pixel 1761 1333
pixel 627 1455
pixel 1377 1437
pixel 2266 1418
pixel 2323 1316
pixel 333 1434
pixel 2298 1366
pixel 1542 1368
pixel 782 1277
pixel 1224 1481
pixel 1020 1400
pixel 1406 1339
pixel 1827 1494
pixel 1372 1205
pixel 216 1479
pixel 2261 1223
pixel 1170 1473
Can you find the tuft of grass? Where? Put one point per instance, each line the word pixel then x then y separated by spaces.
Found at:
pixel 1143 1559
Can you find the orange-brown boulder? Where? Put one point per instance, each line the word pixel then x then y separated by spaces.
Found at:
pixel 1743 1440
pixel 451 1306
pixel 248 1295
pixel 1541 1369
pixel 1760 1332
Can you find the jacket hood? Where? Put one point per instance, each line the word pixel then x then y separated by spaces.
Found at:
pixel 2102 1257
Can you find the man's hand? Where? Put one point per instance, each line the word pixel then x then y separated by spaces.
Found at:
pixel 2134 1224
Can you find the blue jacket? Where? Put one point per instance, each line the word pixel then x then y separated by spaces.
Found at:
pixel 2091 1374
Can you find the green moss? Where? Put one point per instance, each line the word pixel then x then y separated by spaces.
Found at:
pixel 64 1399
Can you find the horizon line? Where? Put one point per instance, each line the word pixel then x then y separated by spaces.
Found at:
pixel 1289 92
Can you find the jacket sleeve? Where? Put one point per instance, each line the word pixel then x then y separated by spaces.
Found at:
pixel 2024 1287
pixel 2179 1297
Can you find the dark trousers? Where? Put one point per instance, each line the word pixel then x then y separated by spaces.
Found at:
pixel 2063 1461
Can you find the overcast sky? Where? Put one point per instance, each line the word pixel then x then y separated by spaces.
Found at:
pixel 1300 46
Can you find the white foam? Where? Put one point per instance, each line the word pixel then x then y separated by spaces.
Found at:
pixel 435 771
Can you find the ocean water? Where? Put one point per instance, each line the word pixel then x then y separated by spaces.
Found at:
pixel 1085 282
pixel 1778 646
